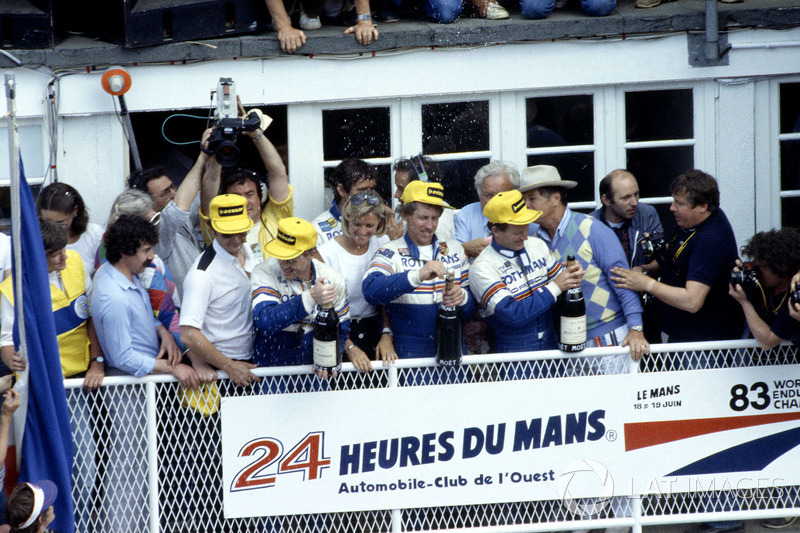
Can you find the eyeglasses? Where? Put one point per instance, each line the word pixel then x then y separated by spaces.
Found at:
pixel 370 197
pixel 156 218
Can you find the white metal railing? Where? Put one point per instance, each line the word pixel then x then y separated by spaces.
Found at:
pixel 173 476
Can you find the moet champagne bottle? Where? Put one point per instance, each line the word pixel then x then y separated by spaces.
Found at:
pixel 448 331
pixel 327 344
pixel 572 329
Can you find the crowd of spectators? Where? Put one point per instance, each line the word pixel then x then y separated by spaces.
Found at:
pixel 219 275
pixel 292 18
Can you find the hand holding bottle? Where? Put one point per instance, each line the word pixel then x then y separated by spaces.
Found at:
pixel 570 277
pixel 453 296
pixel 323 293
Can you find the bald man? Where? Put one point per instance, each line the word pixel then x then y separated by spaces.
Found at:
pixel 623 213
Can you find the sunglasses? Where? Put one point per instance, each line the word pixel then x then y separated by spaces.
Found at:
pixel 370 197
pixel 156 218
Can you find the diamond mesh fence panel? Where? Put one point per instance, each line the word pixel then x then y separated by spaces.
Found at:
pixel 113 467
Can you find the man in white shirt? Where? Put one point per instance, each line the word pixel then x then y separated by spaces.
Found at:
pixel 216 318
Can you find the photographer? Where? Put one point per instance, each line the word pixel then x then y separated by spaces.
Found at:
pixel 693 291
pixel 763 292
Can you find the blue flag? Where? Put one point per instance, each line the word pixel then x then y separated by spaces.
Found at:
pixel 47 442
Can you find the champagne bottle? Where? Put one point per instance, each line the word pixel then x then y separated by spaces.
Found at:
pixel 448 331
pixel 327 344
pixel 573 318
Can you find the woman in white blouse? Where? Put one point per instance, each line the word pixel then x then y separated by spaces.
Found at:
pixel 363 224
pixel 63 205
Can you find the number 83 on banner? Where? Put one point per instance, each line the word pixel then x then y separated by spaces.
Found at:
pixel 305 457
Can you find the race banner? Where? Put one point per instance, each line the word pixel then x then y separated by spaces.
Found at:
pixel 543 439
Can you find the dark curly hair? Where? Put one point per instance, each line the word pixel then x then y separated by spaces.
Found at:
pixel 65 199
pixel 701 188
pixel 54 236
pixel 778 249
pixel 348 173
pixel 126 235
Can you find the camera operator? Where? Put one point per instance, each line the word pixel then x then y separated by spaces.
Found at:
pixel 267 203
pixel 763 292
pixel 693 291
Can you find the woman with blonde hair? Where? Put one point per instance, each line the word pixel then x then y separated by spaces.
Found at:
pixel 364 218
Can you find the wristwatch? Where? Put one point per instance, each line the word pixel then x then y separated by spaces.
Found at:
pixel 637 328
pixel 364 16
pixel 100 359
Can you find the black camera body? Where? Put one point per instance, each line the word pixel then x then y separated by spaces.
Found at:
pixel 654 247
pixel 746 277
pixel 222 141
pixel 794 297
pixel 227 125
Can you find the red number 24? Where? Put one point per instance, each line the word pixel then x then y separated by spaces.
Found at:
pixel 305 457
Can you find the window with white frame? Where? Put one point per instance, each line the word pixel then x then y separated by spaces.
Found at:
pixel 659 142
pixel 34 160
pixel 363 133
pixel 789 139
pixel 456 135
pixel 577 132
pixel 560 131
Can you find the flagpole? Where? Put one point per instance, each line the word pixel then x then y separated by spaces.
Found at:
pixel 16 257
pixel 13 158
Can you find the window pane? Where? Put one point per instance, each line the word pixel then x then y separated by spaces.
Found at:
pixel 790 212
pixel 383 185
pixel 559 120
pixel 667 219
pixel 659 115
pixel 790 107
pixel 31 151
pixel 5 206
pixel 458 179
pixel 655 168
pixel 577 167
pixel 790 165
pixel 362 133
pixel 455 127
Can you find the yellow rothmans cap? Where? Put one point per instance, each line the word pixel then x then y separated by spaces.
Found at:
pixel 426 192
pixel 509 208
pixel 228 214
pixel 295 236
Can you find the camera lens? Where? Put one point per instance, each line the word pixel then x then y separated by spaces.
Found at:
pixel 227 153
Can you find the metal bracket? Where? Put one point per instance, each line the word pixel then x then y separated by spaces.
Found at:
pixel 711 48
pixel 699 50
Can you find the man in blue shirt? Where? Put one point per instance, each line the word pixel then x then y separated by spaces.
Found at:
pixel 471 229
pixel 693 294
pixel 133 340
